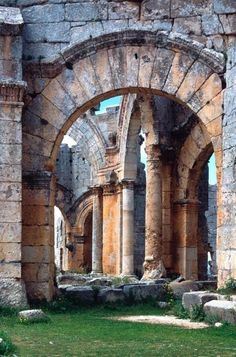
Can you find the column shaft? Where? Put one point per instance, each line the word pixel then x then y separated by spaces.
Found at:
pixel 128 228
pixel 153 233
pixel 97 232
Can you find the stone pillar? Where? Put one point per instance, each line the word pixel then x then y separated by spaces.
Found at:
pixel 127 227
pixel 38 234
pixel 185 238
pixel 153 264
pixel 97 231
pixel 12 290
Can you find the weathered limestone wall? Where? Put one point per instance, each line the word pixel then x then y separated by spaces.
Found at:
pixel 226 242
pixel 50 27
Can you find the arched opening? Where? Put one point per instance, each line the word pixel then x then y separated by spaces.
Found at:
pixel 74 91
pixel 87 249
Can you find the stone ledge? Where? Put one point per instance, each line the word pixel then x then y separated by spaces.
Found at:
pixel 11 21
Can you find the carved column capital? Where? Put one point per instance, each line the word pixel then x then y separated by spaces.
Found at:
pixel 127 183
pixel 96 190
pixel 111 189
pixel 12 91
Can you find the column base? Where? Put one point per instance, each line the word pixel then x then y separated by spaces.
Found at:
pixel 13 293
pixel 153 271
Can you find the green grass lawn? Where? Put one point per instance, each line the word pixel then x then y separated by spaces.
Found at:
pixel 87 332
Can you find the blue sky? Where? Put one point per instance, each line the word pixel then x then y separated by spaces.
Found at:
pixel 111 102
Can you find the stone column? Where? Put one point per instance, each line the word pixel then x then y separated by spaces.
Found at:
pixel 97 231
pixel 153 265
pixel 185 233
pixel 128 227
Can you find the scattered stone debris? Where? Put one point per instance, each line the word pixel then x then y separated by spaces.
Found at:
pixel 35 315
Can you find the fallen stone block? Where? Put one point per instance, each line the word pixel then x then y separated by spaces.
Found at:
pixel 144 292
pixel 36 315
pixel 183 287
pixel 197 298
pixel 99 282
pixel 80 294
pixel 222 310
pixel 71 279
pixel 110 296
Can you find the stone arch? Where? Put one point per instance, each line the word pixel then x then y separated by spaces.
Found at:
pixel 82 207
pixel 124 62
pixel 115 64
pixel 193 155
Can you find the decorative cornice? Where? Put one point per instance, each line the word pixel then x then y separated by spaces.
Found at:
pixel 12 91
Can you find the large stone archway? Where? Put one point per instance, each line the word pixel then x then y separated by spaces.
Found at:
pixel 130 62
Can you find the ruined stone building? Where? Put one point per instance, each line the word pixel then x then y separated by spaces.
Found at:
pixel 172 64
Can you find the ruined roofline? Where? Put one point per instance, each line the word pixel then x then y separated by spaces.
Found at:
pixel 161 39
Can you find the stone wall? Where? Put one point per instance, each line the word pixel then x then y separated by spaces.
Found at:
pixel 53 26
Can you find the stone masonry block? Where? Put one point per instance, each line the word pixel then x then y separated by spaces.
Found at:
pixel 211 25
pixel 10 252
pixel 123 10
pixel 10 191
pixel 12 293
pixel 37 235
pixel 223 310
pixel 37 254
pixel 51 32
pixel 40 51
pixel 155 9
pixel 43 13
pixel 10 173
pixel 229 23
pixel 224 6
pixel 10 232
pixel 141 292
pixel 185 8
pixel 10 132
pixel 189 26
pixel 10 212
pixel 10 270
pixel 85 12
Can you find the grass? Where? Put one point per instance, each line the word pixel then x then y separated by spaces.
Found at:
pixel 87 332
